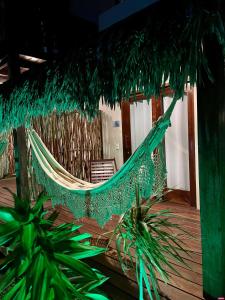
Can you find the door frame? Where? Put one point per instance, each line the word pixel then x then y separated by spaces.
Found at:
pixel 157 111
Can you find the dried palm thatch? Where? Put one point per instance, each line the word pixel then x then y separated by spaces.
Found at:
pixel 169 46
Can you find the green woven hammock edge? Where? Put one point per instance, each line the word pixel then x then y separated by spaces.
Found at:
pixel 116 195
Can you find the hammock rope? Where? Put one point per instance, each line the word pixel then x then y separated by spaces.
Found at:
pixel 102 200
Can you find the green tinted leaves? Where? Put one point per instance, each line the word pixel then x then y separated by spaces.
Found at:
pixel 96 296
pixel 28 237
pixel 24 265
pixel 147 234
pixel 76 265
pixel 8 231
pixel 18 288
pixel 7 279
pixel 81 237
pixel 39 203
pixel 41 262
pixel 7 214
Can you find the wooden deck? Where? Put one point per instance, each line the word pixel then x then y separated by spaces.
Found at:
pixel 121 287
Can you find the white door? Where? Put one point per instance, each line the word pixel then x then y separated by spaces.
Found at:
pixel 176 146
pixel 140 122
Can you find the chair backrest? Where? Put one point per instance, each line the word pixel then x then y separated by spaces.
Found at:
pixel 102 170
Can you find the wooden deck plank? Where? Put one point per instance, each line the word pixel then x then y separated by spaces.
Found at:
pixel 188 286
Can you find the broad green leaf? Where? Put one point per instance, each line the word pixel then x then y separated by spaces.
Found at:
pixel 86 253
pixel 51 294
pixel 59 292
pixel 7 214
pixel 39 203
pixel 9 227
pixel 24 265
pixel 80 237
pixel 94 284
pixel 8 231
pixel 75 248
pixel 96 296
pixel 76 265
pixel 21 206
pixel 45 288
pixel 145 277
pixel 11 295
pixel 37 275
pixel 6 262
pixel 21 294
pixel 28 236
pixel 7 278
pixel 34 259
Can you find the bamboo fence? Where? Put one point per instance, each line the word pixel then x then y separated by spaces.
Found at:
pixel 72 140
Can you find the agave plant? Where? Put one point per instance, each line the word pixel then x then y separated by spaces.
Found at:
pixel 144 241
pixel 44 261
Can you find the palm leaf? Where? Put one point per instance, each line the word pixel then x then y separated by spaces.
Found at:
pixel 28 237
pixel 8 231
pixel 76 265
pixel 11 295
pixel 7 279
pixel 39 203
pixel 7 214
pixel 96 296
pixel 148 234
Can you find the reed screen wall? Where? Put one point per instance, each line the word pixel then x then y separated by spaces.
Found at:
pixel 73 141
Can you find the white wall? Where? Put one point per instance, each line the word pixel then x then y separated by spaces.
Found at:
pixel 112 136
pixel 140 121
pixel 176 142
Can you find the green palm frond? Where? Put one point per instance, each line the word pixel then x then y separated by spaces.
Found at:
pixel 148 239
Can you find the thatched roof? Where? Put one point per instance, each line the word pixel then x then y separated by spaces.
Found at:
pixel 166 44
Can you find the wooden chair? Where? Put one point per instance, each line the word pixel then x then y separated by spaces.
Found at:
pixel 102 170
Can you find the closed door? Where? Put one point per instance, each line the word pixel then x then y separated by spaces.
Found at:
pixel 140 122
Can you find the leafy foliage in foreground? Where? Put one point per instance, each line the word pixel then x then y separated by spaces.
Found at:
pixel 42 258
pixel 149 240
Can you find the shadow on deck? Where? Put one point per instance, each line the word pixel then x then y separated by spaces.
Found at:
pixel 188 286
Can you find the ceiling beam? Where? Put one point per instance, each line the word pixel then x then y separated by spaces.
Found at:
pixel 121 11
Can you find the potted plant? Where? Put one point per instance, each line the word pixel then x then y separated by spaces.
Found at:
pixel 145 239
pixel 44 261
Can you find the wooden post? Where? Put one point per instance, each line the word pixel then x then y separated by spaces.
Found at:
pixel 20 148
pixel 126 130
pixel 19 137
pixel 211 126
pixel 20 154
pixel 191 147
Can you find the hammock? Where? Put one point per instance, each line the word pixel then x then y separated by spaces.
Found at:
pixel 100 201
